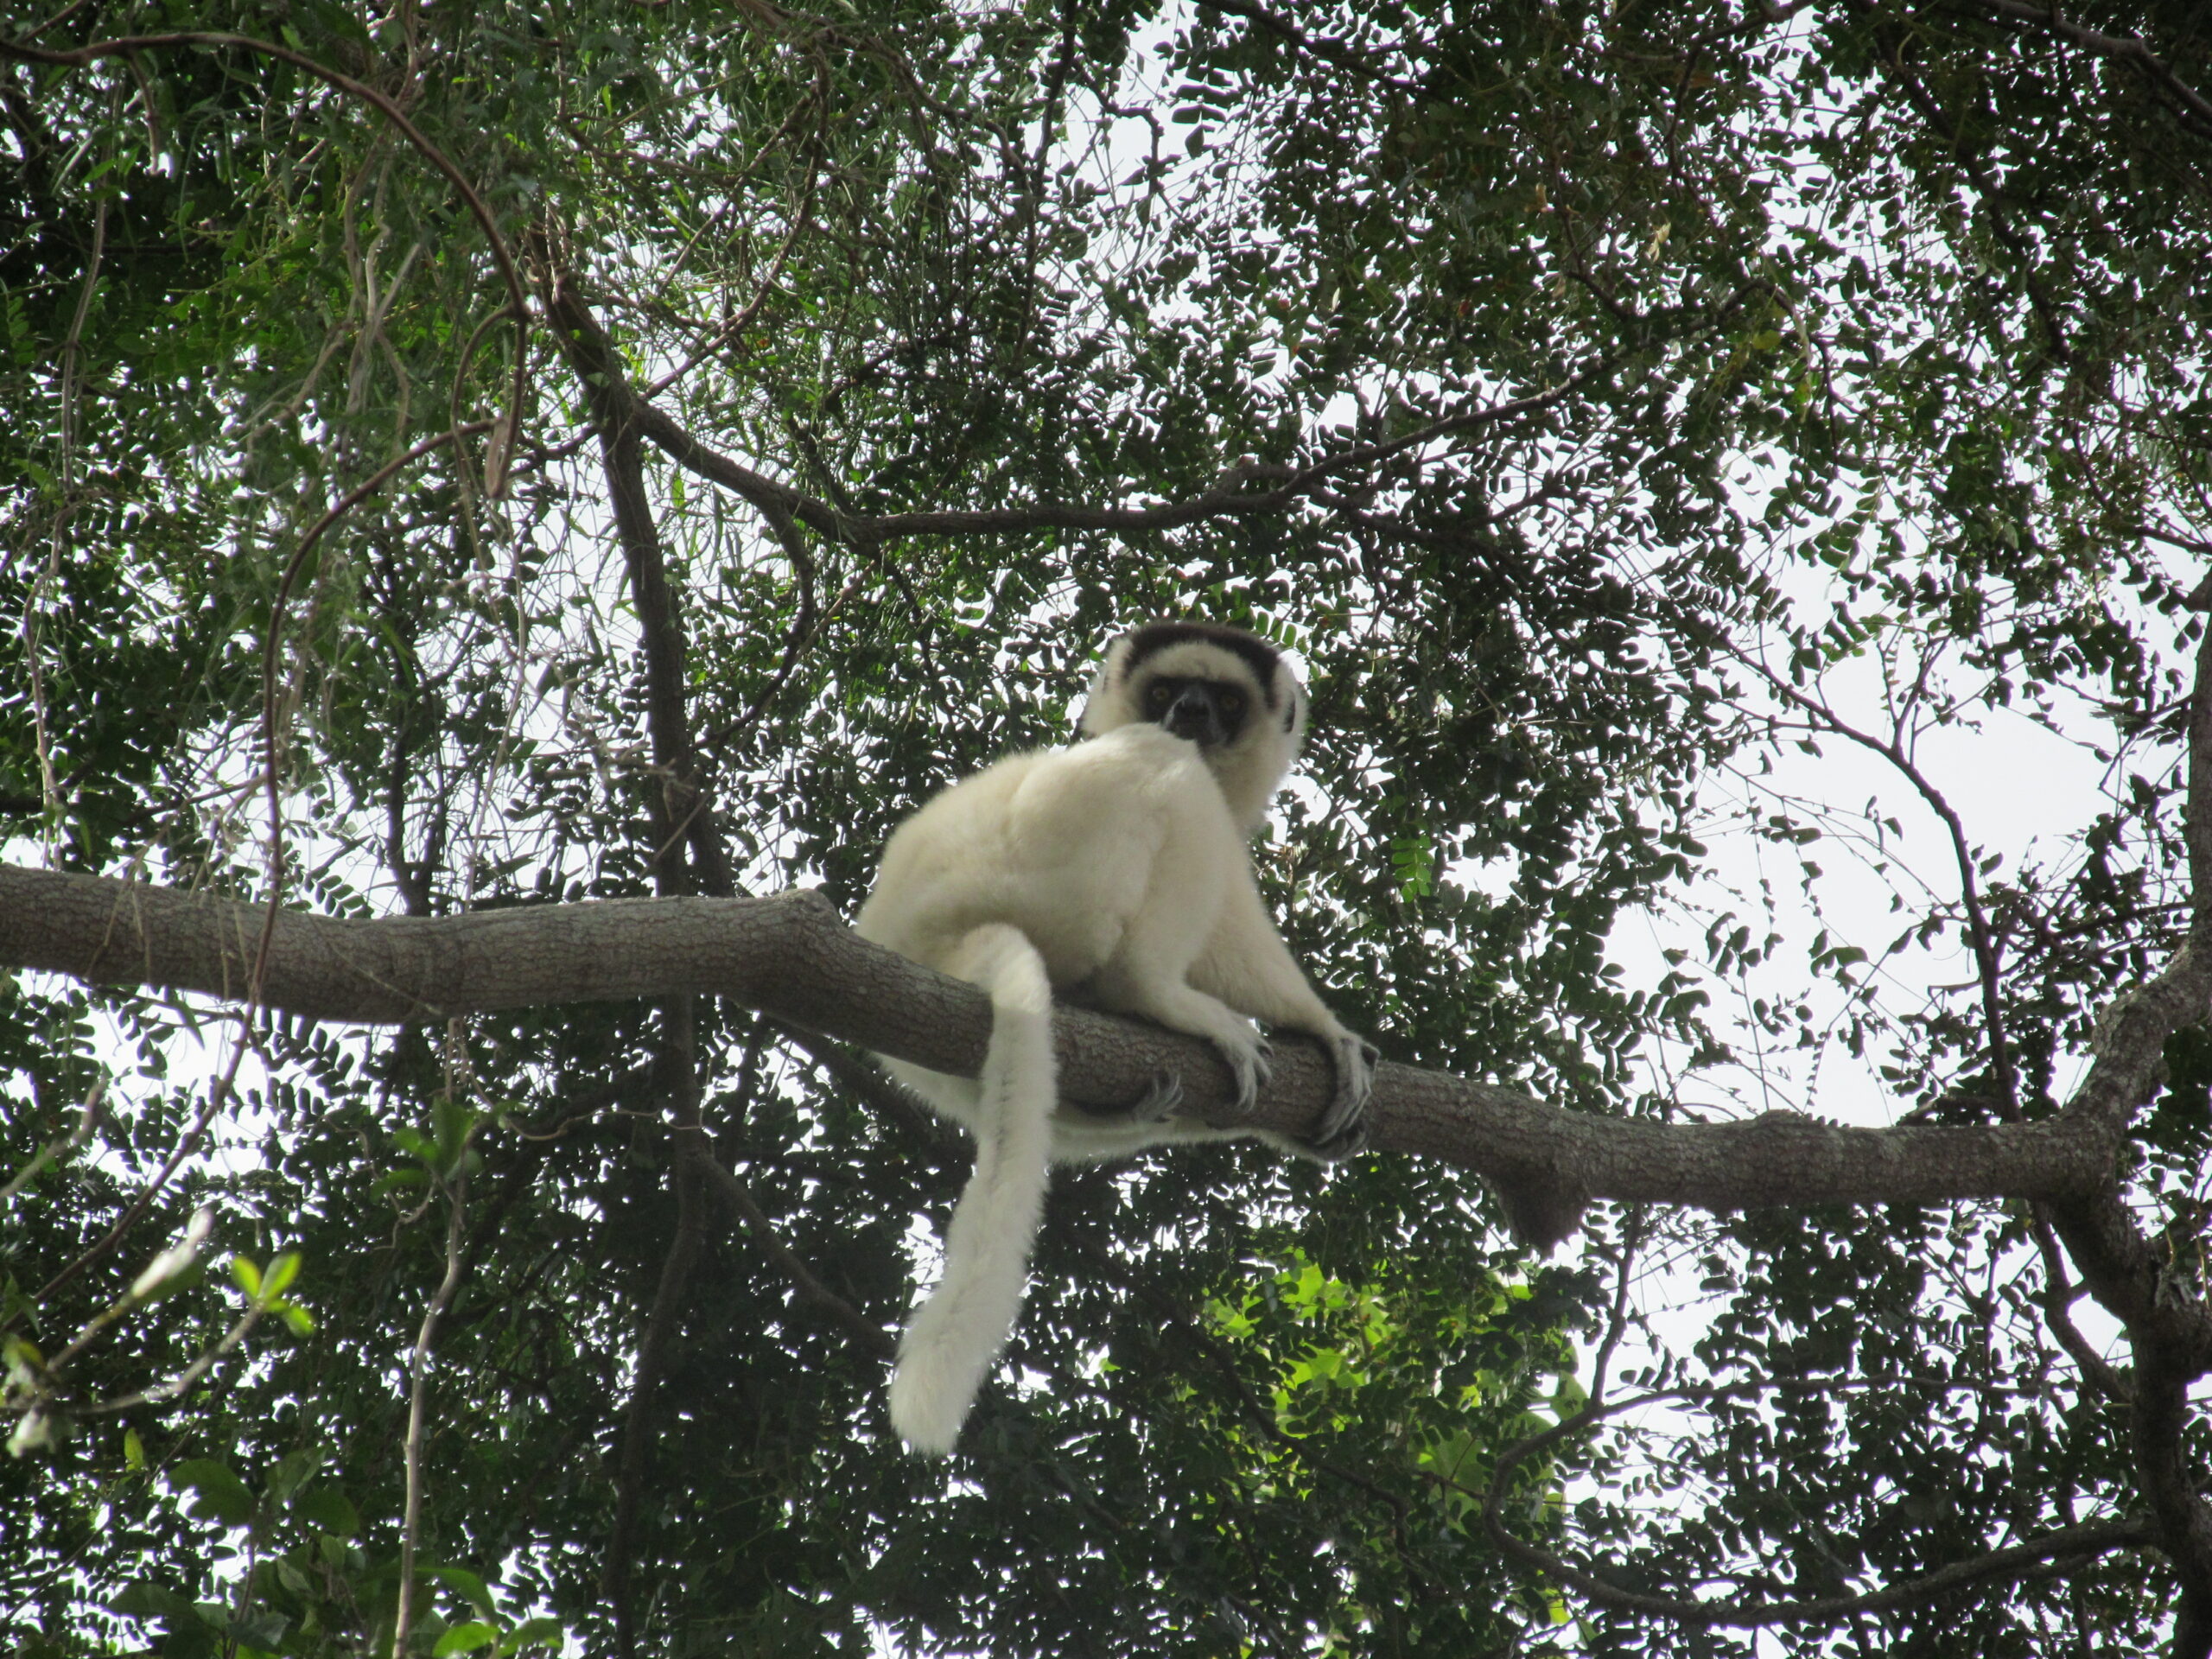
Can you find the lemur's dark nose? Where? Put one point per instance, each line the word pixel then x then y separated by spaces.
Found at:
pixel 1192 715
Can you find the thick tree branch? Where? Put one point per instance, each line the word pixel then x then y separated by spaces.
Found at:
pixel 683 813
pixel 791 957
pixel 2169 1327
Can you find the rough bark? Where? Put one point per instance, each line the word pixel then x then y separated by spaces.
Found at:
pixel 792 957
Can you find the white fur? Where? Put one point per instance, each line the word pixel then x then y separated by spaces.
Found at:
pixel 1116 868
pixel 956 1335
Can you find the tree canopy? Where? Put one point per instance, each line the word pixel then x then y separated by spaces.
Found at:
pixel 1738 480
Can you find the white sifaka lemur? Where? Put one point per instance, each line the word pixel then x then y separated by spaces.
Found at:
pixel 1115 870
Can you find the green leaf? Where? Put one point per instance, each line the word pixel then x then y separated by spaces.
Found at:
pixel 263 1630
pixel 143 1598
pixel 327 1511
pixel 281 1274
pixel 542 1631
pixel 219 1494
pixel 471 1588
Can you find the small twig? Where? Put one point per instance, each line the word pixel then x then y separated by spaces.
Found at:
pixel 1225 1362
pixel 72 347
pixel 680 1069
pixel 931 1135
pixel 161 1392
pixel 2131 49
pixel 87 1121
pixel 871 1336
pixel 153 1280
pixel 2056 1301
pixel 34 604
pixel 218 1092
pixel 159 1276
pixel 573 321
pixel 497 464
pixel 60 16
pixel 2093 1539
pixel 1632 1230
pixel 1334 53
pixel 804 630
pixel 122 47
pixel 1988 961
pixel 271 728
pixel 1993 196
pixel 737 325
pixel 2187 543
pixel 418 1390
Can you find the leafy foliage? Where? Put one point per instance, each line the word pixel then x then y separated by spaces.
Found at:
pixel 1828 383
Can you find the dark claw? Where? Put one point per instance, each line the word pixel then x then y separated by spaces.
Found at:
pixel 1160 1098
pixel 1248 1062
pixel 1343 1129
pixel 1349 1145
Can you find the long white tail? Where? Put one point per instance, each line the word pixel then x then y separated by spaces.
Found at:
pixel 955 1336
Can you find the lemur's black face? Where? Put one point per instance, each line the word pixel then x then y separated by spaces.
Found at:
pixel 1210 713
